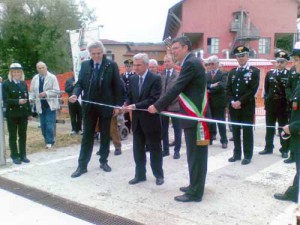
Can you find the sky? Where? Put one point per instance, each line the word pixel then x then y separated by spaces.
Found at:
pixel 132 20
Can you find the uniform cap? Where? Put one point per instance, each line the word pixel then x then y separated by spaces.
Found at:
pixel 128 62
pixel 241 50
pixel 15 66
pixel 282 55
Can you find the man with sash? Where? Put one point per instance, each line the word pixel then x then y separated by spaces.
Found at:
pixel 190 88
pixel 242 85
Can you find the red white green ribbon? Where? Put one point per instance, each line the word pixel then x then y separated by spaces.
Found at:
pixel 191 109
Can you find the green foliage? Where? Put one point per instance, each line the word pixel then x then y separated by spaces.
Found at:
pixel 35 30
pixel 285 42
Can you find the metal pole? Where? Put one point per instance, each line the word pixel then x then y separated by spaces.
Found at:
pixel 2 140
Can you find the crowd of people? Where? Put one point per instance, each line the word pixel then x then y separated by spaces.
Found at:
pixel 141 93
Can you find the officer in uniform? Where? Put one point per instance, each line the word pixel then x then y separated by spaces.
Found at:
pixel 293 129
pixel 293 80
pixel 126 77
pixel 276 103
pixel 242 85
pixel 17 112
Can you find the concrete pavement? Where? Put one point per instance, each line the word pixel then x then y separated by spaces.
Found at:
pixel 234 194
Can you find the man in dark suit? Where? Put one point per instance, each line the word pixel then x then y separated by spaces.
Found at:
pixel 216 85
pixel 241 88
pixel 99 82
pixel 144 90
pixel 190 85
pixel 169 77
pixel 75 109
pixel 276 103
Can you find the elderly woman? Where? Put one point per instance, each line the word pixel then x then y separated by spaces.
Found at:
pixel 17 112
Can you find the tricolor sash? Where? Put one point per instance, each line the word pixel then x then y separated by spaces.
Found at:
pixel 203 136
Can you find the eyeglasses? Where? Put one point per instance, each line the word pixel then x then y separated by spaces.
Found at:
pixel 96 53
pixel 209 64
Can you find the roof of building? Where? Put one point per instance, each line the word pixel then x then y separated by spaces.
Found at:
pixel 112 42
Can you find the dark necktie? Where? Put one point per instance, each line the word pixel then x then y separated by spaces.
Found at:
pixel 140 84
pixel 96 70
pixel 167 78
pixel 213 73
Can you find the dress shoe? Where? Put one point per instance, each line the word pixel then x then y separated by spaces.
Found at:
pixel 184 189
pixel 210 142
pixel 49 146
pixel 25 160
pixel 159 181
pixel 246 161
pixel 137 180
pixel 224 145
pixel 105 167
pixel 289 160
pixel 17 161
pixel 284 197
pixel 187 198
pixel 231 139
pixel 176 155
pixel 118 151
pixel 78 172
pixel 165 153
pixel 98 153
pixel 284 155
pixel 234 158
pixel 265 152
pixel 172 144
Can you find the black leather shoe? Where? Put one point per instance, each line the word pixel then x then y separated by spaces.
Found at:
pixel 17 161
pixel 172 144
pixel 25 160
pixel 211 142
pixel 284 155
pixel 118 151
pixel 176 155
pixel 184 189
pixel 231 139
pixel 246 161
pixel 187 198
pixel 234 158
pixel 98 153
pixel 78 172
pixel 224 145
pixel 289 160
pixel 265 152
pixel 105 167
pixel 284 197
pixel 159 181
pixel 136 180
pixel 165 154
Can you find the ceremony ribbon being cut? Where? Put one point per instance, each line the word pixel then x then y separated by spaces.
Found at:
pixel 203 136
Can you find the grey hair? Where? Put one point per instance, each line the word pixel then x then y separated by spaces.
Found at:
pixel 96 44
pixel 142 56
pixel 153 61
pixel 41 63
pixel 213 59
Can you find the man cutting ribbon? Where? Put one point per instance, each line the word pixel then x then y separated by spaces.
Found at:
pixel 191 84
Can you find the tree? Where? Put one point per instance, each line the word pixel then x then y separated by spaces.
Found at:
pixel 35 30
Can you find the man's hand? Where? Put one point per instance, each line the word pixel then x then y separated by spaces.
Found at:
pixel 286 129
pixel 116 111
pixel 152 109
pixel 73 98
pixel 236 105
pixel 214 85
pixel 22 101
pixel 42 94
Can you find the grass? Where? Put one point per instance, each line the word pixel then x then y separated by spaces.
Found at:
pixel 35 140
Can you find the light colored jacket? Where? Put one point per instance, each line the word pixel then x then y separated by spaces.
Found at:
pixel 51 87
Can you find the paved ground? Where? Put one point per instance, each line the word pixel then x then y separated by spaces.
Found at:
pixel 234 194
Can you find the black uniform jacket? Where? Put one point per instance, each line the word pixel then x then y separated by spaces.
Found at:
pixel 295 121
pixel 12 93
pixel 242 86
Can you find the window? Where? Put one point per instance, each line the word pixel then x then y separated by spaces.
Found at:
pixel 213 45
pixel 110 55
pixel 264 46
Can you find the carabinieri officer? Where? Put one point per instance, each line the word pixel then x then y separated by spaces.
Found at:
pixel 17 112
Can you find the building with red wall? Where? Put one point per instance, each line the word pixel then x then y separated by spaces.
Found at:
pixel 217 26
